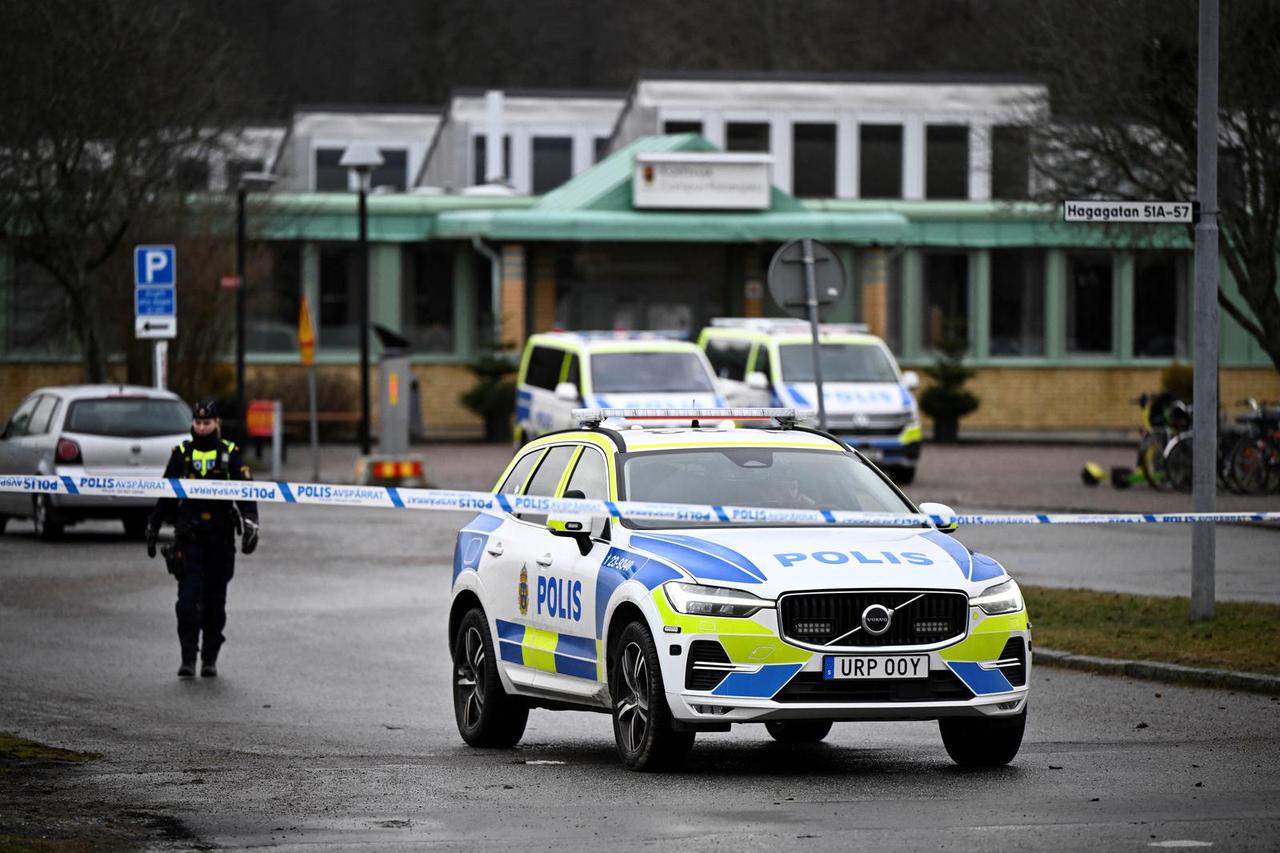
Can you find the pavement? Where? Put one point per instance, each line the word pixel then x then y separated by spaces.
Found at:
pixel 331 727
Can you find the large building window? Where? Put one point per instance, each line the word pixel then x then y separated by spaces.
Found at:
pixel 427 298
pixel 1159 305
pixel 552 162
pixel 191 175
pixel 600 147
pixel 1010 163
pixel 681 126
pixel 394 170
pixel 746 136
pixel 479 147
pixel 880 153
pixel 330 177
pixel 946 161
pixel 1089 304
pixel 1017 302
pixel 273 297
pixel 339 297
pixel 813 160
pixel 946 298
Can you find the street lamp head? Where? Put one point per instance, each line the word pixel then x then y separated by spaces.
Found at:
pixel 257 181
pixel 362 157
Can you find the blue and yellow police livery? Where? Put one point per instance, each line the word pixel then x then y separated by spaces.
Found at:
pixel 679 627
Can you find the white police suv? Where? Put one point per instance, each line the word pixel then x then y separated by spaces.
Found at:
pixel 561 371
pixel 676 627
pixel 869 403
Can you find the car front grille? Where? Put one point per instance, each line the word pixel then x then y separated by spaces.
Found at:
pixel 940 686
pixel 882 424
pixel 833 619
pixel 707 667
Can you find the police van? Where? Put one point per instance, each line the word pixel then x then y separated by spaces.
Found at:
pixel 561 371
pixel 868 400
pixel 680 627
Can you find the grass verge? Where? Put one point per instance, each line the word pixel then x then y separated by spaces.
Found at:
pixel 20 749
pixel 1242 636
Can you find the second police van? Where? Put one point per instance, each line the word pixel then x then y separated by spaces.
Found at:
pixel 562 371
pixel 869 401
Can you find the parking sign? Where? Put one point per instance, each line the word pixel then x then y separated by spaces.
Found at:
pixel 155 301
pixel 154 265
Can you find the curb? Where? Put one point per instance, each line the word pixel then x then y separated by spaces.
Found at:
pixel 1253 682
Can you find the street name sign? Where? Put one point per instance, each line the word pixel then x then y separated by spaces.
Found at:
pixel 155 300
pixel 1166 212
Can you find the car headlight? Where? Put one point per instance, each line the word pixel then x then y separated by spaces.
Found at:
pixel 1001 598
pixel 697 600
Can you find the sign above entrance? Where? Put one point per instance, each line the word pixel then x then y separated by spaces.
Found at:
pixel 701 180
pixel 1128 211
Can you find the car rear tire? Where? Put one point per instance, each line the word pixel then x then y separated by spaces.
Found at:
pixel 983 741
pixel 642 725
pixel 799 731
pixel 486 715
pixel 45 519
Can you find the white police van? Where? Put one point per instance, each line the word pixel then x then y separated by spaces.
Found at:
pixel 677 627
pixel 868 400
pixel 561 371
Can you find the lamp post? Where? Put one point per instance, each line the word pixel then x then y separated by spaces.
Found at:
pixel 362 158
pixel 248 181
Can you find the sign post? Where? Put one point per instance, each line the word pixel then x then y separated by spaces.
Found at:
pixel 803 276
pixel 307 349
pixel 155 302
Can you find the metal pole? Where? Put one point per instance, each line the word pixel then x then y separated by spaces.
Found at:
pixel 240 322
pixel 315 427
pixel 811 299
pixel 160 371
pixel 1205 442
pixel 364 321
pixel 277 438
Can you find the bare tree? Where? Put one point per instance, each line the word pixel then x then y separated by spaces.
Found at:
pixel 1123 125
pixel 103 101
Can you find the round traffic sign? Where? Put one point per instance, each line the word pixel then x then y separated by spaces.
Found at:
pixel 787 276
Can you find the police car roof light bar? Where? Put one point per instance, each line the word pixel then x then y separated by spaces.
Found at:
pixel 592 418
pixel 786 325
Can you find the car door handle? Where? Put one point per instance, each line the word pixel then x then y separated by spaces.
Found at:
pixel 544 560
pixel 495 550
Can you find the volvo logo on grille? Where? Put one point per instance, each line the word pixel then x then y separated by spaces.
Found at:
pixel 876 619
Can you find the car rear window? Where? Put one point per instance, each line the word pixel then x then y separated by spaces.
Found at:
pixel 628 372
pixel 128 417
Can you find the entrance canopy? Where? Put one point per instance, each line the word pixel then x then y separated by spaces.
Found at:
pixel 596 206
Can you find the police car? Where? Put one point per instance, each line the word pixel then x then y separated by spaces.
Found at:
pixel 677 627
pixel 561 371
pixel 868 400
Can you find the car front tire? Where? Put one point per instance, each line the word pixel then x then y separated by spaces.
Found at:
pixel 983 741
pixel 642 724
pixel 486 715
pixel 799 731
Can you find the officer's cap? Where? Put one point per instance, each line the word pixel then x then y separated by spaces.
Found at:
pixel 205 409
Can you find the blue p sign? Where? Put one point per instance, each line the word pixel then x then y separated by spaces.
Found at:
pixel 154 265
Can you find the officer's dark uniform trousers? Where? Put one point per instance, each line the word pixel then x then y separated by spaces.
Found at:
pixel 206 542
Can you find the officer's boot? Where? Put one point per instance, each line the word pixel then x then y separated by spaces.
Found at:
pixel 209 667
pixel 188 668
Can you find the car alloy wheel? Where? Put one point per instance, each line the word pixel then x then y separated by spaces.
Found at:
pixel 469 678
pixel 633 703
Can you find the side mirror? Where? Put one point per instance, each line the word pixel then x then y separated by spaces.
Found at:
pixel 911 379
pixel 944 516
pixel 567 391
pixel 757 381
pixel 582 526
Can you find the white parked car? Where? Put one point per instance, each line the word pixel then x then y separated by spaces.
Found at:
pixel 680 627
pixel 97 431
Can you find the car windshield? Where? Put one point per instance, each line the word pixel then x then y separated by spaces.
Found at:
pixel 840 363
pixel 790 478
pixel 626 372
pixel 128 417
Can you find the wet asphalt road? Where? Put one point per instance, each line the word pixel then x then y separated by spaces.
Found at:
pixel 332 726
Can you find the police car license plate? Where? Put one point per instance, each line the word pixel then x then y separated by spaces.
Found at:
pixel 875 666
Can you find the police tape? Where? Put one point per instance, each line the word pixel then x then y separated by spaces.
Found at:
pixel 391 497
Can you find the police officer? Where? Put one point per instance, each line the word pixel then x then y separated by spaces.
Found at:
pixel 203 553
